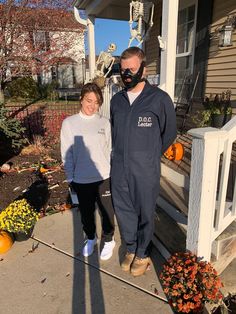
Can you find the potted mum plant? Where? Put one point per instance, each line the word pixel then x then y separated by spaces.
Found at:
pixel 189 283
pixel 217 110
pixel 19 218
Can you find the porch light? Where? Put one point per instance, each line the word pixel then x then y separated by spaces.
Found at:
pixel 226 32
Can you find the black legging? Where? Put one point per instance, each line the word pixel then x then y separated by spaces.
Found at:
pixel 89 194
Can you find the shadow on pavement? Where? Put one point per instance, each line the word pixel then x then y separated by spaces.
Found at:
pixel 87 280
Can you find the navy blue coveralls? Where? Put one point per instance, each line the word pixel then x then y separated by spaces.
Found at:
pixel 141 132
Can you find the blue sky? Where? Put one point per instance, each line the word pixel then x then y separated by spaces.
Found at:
pixel 110 31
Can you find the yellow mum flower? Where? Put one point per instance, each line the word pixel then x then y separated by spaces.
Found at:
pixel 18 216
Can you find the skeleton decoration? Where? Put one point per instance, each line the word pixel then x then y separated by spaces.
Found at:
pixel 105 61
pixel 141 18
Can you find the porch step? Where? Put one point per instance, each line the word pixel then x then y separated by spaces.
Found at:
pixel 169 235
pixel 175 194
pixel 181 167
pixel 174 175
pixel 171 228
pixel 171 214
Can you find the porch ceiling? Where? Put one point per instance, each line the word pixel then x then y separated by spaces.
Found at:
pixel 106 9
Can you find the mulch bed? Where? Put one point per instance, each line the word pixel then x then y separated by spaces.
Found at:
pixel 45 189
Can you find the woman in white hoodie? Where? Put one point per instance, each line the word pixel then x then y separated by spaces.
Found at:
pixel 85 152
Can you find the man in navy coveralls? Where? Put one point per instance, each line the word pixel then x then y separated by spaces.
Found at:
pixel 143 127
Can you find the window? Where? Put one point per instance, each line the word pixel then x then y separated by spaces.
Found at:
pixel 41 41
pixel 185 30
pixel 185 46
pixel 54 73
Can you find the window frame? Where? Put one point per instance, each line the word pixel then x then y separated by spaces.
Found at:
pixel 183 5
pixel 45 44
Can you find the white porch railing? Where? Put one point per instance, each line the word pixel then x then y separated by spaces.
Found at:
pixel 108 91
pixel 210 212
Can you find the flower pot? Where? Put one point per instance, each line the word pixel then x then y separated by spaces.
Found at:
pixel 219 120
pixel 22 236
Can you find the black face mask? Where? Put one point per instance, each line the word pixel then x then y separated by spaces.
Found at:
pixel 134 79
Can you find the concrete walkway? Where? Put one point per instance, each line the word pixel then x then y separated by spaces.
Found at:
pixel 54 278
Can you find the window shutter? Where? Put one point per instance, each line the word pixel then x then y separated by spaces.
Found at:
pixel 204 18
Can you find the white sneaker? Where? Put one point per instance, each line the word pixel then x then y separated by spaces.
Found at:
pixel 89 247
pixel 107 250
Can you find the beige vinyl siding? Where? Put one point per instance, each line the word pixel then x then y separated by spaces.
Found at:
pixel 221 66
pixel 151 44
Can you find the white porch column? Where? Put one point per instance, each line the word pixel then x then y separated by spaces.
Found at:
pixel 168 54
pixel 89 22
pixel 91 45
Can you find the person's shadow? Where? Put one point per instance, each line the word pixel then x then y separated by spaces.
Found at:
pixel 87 283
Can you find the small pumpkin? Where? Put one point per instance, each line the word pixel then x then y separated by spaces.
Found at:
pixel 175 152
pixel 6 241
pixel 43 170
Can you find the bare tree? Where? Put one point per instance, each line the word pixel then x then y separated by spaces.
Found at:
pixel 33 35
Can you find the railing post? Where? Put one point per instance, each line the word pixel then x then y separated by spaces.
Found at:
pixel 105 110
pixel 203 185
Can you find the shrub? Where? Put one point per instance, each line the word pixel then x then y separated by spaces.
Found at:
pixel 52 123
pixel 48 91
pixel 23 87
pixel 11 129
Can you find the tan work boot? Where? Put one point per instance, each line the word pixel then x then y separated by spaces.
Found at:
pixel 139 266
pixel 125 265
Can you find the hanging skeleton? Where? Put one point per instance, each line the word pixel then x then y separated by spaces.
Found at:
pixel 141 18
pixel 105 61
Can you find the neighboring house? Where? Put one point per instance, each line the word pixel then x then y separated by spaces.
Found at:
pixel 50 47
pixel 66 59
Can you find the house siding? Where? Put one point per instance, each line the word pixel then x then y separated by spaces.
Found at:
pixel 221 64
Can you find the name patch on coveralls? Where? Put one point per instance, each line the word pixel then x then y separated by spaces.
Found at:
pixel 144 122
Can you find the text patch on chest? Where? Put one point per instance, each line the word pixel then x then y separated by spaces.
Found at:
pixel 144 122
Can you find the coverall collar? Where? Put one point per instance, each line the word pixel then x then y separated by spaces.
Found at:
pixel 145 90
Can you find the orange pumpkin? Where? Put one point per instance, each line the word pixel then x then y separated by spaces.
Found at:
pixel 43 170
pixel 175 152
pixel 6 241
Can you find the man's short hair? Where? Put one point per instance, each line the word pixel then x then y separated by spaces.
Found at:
pixel 133 51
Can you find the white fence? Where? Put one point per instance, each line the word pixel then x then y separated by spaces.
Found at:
pixel 210 210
